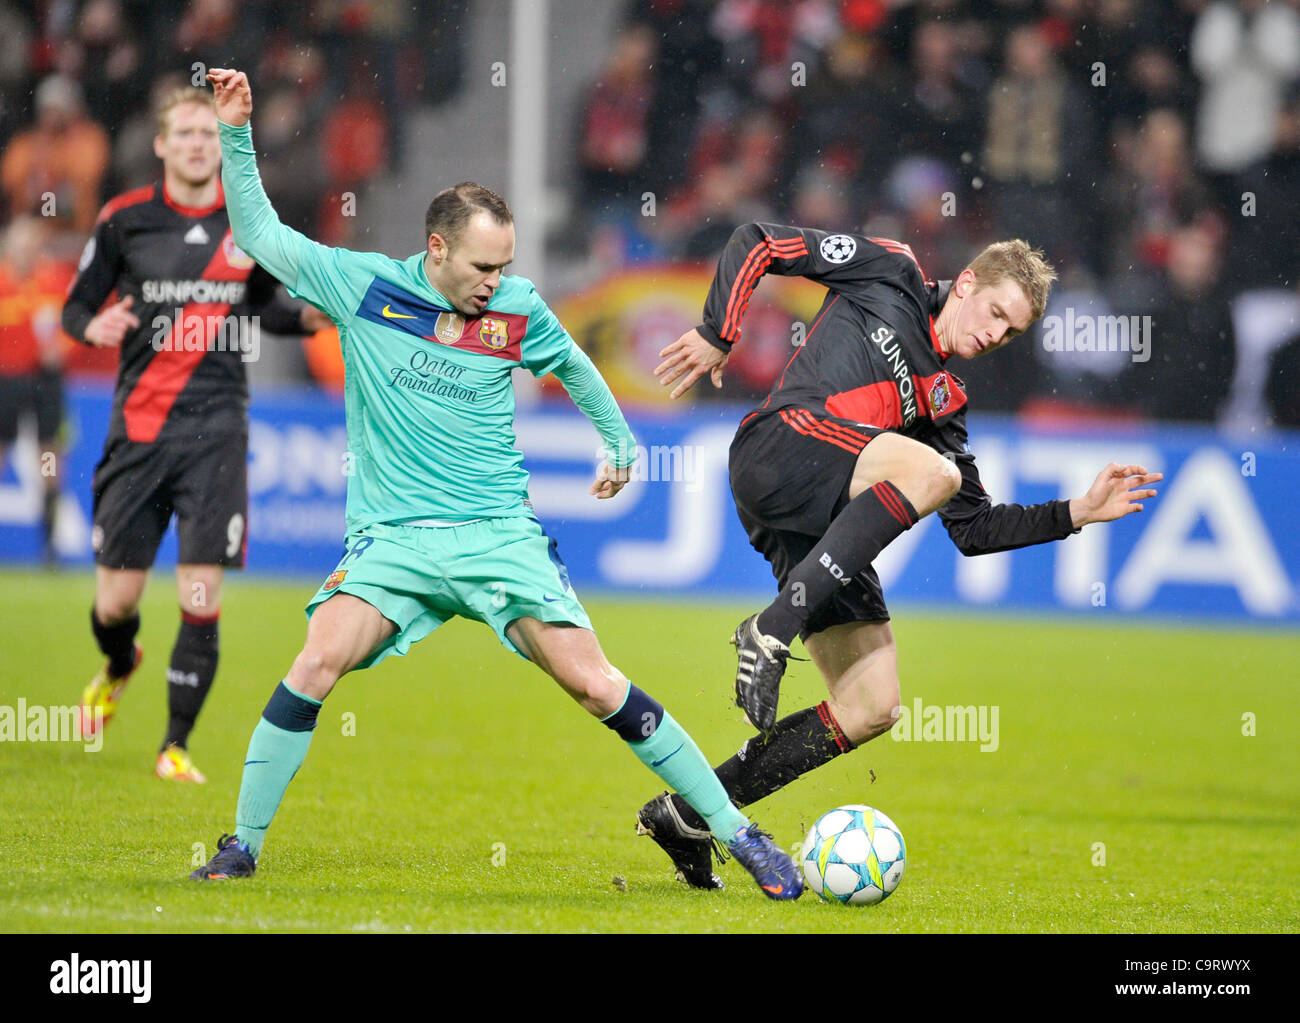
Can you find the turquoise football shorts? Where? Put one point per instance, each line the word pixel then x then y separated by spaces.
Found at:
pixel 494 571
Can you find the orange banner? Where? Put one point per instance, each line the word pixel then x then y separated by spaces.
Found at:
pixel 626 320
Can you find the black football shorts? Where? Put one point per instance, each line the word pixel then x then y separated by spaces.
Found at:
pixel 204 483
pixel 39 395
pixel 790 475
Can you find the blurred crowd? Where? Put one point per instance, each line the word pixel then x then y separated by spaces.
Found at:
pixel 80 85
pixel 1149 147
pixel 79 81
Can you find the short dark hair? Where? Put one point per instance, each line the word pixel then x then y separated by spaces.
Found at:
pixel 453 207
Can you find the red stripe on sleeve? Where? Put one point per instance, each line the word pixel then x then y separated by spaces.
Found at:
pixel 901 248
pixel 783 253
pixel 737 287
pixel 751 271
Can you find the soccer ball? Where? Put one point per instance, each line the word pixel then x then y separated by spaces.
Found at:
pixel 853 855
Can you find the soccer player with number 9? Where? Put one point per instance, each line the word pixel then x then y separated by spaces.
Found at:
pixel 186 300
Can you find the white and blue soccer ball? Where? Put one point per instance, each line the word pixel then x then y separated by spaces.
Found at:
pixel 854 855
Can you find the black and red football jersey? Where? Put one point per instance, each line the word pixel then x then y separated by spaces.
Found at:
pixel 871 356
pixel 181 372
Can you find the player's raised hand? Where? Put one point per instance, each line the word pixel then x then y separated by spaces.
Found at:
pixel 690 356
pixel 233 95
pixel 1113 494
pixel 609 481
pixel 109 328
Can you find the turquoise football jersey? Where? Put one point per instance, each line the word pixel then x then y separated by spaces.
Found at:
pixel 430 406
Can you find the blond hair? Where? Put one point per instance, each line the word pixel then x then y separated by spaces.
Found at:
pixel 1015 260
pixel 179 97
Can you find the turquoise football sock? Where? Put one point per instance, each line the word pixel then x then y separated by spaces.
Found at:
pixel 275 752
pixel 663 745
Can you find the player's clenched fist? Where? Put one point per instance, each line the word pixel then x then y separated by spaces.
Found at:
pixel 609 481
pixel 109 328
pixel 234 97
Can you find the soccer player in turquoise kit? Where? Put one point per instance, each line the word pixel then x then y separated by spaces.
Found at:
pixel 438 519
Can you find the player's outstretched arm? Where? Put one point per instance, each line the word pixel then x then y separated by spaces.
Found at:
pixel 839 261
pixel 310 271
pixel 547 348
pixel 978 526
pixel 253 222
pixel 593 397
pixel 1113 494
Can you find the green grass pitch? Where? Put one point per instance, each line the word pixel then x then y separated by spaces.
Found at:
pixel 474 796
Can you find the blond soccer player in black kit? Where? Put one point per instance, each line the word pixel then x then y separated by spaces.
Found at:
pixel 863 434
pixel 177 443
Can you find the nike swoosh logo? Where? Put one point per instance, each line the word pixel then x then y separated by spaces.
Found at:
pixel 387 311
pixel 775 891
pixel 550 600
pixel 247 762
pixel 669 757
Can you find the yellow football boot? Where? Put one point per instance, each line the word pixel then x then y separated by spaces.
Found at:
pixel 174 764
pixel 100 698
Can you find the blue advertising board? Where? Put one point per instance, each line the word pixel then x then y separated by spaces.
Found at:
pixel 1218 541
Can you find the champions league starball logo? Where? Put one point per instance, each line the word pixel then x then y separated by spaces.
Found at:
pixel 839 248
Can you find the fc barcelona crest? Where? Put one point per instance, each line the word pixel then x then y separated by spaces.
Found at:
pixel 332 583
pixel 494 333
pixel 939 395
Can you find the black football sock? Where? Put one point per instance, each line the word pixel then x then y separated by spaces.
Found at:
pixel 49 512
pixel 116 642
pixel 796 745
pixel 193 667
pixel 868 523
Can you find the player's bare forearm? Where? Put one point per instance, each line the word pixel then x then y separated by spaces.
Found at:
pixel 1117 491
